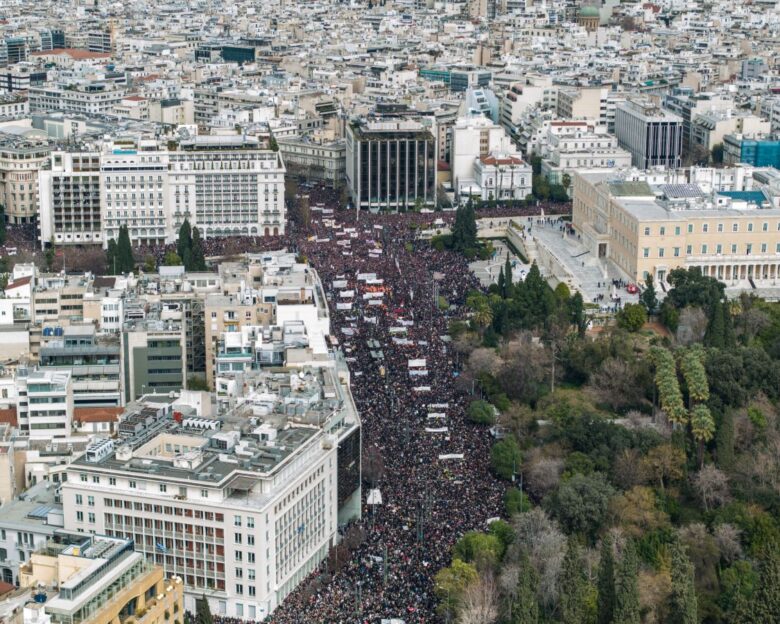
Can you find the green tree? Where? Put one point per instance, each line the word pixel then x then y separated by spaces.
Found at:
pixel 124 251
pixel 605 606
pixel 717 153
pixel 484 550
pixel 573 596
pixel 184 242
pixel 202 611
pixel 273 145
pixel 683 607
pixel 515 501
pixel 450 583
pixel 507 278
pixel 627 609
pixel 197 258
pixel 581 503
pixel 525 607
pixel 506 458
pixel 172 259
pixel 724 441
pixel 764 605
pixel 702 428
pixel 112 258
pixel 648 297
pixel 481 412
pixel 632 317
pixel 150 265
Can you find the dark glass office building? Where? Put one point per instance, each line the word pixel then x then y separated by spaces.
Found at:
pixel 391 164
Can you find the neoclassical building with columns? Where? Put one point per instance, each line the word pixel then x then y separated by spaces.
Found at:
pixel 653 222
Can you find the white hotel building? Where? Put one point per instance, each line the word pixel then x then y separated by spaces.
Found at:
pixel 224 185
pixel 242 507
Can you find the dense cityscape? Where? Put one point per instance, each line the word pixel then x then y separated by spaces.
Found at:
pixel 390 312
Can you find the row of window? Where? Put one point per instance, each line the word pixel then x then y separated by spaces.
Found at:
pixel 705 228
pixel 705 249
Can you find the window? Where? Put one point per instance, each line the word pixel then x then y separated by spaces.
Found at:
pixel 704 249
pixel 765 227
pixel 250 539
pixel 750 227
pixel 719 249
pixel 239 607
pixel 734 248
pixel 676 252
pixel 163 487
pixel 777 250
pixel 79 499
pixel 660 252
pixel 239 588
pixel 646 252
pixel 91 501
pixel 705 227
pixel 250 557
pixel 240 555
pixel 91 518
pixel 83 478
pixel 735 227
pixel 239 573
pixel 720 227
pixel 95 479
pixel 80 516
pixel 251 590
pixel 690 228
pixel 237 537
pixel 251 574
pixel 647 231
pixel 662 231
pixel 763 247
pixel 250 522
pixel 204 493
pixel 133 484
pixel 237 521
pixel 748 248
pixel 677 230
pixel 112 480
pixel 689 249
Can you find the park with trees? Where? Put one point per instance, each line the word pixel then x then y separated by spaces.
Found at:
pixel 642 466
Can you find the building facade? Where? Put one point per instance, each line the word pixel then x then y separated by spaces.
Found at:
pixel 653 136
pixel 391 165
pixel 20 163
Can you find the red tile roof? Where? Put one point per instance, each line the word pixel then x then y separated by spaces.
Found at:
pixel 9 416
pixel 22 281
pixel 97 414
pixel 509 160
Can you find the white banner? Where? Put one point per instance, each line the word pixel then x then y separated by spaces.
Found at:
pixel 421 389
pixel 419 363
pixel 415 372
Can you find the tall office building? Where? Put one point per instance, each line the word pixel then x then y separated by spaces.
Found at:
pixel 391 164
pixel 652 135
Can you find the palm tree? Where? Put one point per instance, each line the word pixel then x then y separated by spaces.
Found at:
pixel 483 315
pixel 702 428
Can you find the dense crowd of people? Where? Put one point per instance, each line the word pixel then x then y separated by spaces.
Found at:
pixel 427 502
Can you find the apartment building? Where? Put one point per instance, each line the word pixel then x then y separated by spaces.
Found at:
pixel 595 104
pixel 316 161
pixel 391 164
pixel 710 129
pixel 651 227
pixel 651 134
pixel 242 507
pixel 567 147
pixel 687 104
pixel 90 98
pixel 26 525
pixel 20 163
pixel 100 580
pixel 759 150
pixel 45 403
pixel 94 365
